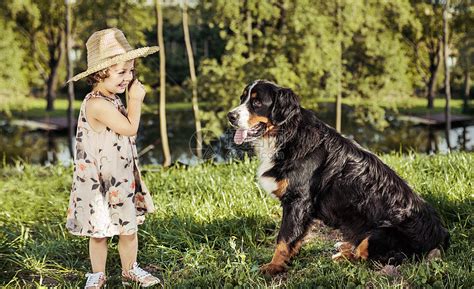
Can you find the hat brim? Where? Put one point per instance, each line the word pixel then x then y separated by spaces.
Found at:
pixel 132 54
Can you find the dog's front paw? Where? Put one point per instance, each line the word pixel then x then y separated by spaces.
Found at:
pixel 271 269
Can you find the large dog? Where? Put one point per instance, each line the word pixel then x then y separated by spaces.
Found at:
pixel 317 174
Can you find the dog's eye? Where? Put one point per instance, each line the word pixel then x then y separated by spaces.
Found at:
pixel 256 103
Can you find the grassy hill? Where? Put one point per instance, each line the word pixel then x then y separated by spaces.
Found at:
pixel 214 227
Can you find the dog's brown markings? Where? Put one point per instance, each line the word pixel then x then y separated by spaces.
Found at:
pixel 362 251
pixel 296 248
pixel 270 130
pixel 280 191
pixel 283 254
pixel 346 246
pixel 253 95
pixel 345 252
pixel 280 257
pixel 254 119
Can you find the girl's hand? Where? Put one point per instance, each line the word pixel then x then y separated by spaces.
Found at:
pixel 137 91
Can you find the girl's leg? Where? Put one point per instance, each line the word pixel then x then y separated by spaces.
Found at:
pixel 98 254
pixel 128 247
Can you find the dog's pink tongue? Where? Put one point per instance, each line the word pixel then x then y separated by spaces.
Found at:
pixel 240 135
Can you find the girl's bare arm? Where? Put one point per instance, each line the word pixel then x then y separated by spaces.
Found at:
pixel 102 113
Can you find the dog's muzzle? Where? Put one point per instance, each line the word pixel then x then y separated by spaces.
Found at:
pixel 233 118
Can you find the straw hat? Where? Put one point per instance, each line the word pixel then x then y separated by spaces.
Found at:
pixel 108 47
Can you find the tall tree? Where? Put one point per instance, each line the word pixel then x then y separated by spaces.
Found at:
pixel 467 54
pixel 54 32
pixel 13 78
pixel 463 40
pixel 426 41
pixel 447 85
pixel 192 73
pixel 42 24
pixel 70 72
pixel 301 53
pixel 51 31
pixel 162 100
pixel 339 68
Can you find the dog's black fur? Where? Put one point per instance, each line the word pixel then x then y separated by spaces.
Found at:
pixel 331 178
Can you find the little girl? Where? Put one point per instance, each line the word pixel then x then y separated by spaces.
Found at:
pixel 108 195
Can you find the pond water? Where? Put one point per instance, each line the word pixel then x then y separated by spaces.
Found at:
pixel 42 147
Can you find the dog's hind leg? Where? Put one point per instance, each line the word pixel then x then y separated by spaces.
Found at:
pixel 294 227
pixel 381 244
pixel 345 251
pixel 384 245
pixel 348 252
pixel 362 250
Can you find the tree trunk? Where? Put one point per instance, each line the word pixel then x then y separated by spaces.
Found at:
pixel 339 68
pixel 206 47
pixel 52 83
pixel 435 61
pixel 283 15
pixel 446 74
pixel 51 88
pixel 55 50
pixel 248 17
pixel 192 73
pixel 70 88
pixel 467 86
pixel 162 112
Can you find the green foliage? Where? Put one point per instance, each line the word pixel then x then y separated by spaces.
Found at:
pixel 13 82
pixel 40 25
pixel 297 47
pixel 463 39
pixel 424 36
pixel 381 49
pixel 214 227
pixel 134 18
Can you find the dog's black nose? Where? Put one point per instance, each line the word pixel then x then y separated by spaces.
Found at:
pixel 232 116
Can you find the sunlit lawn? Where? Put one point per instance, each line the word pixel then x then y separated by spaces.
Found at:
pixel 214 227
pixel 35 107
pixel 409 106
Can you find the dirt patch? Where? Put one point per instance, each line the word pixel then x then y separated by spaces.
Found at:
pixel 30 278
pixel 322 232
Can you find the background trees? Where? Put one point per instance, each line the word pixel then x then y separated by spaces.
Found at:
pixel 388 49
pixel 463 40
pixel 13 81
pixel 295 46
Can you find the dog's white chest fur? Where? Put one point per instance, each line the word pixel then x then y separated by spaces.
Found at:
pixel 265 149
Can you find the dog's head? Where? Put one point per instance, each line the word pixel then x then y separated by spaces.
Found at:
pixel 264 106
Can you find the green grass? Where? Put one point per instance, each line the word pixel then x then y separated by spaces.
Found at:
pixel 35 107
pixel 417 106
pixel 214 227
pixel 407 105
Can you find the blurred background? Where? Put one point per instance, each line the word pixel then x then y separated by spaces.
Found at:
pixel 392 75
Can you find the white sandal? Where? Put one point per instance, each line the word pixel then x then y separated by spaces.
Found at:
pixel 95 280
pixel 140 276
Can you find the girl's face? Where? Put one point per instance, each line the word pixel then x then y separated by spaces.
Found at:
pixel 120 76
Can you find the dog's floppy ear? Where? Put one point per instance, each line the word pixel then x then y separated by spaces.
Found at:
pixel 285 105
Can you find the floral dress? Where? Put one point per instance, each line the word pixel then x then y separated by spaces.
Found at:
pixel 108 196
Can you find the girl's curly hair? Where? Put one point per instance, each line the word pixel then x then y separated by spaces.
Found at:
pixel 98 76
